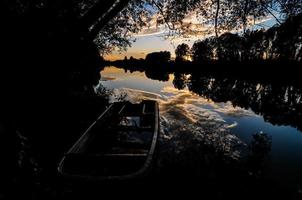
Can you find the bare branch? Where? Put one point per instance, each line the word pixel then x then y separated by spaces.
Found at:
pixel 216 17
pixel 166 21
pixel 270 12
pixel 244 17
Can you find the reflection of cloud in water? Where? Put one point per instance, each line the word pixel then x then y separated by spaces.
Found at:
pixel 231 111
pixel 184 106
pixel 173 90
pixel 135 96
pixel 103 78
pixel 186 125
pixel 187 98
pixel 232 125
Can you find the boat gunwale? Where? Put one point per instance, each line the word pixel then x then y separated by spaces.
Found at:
pixel 137 174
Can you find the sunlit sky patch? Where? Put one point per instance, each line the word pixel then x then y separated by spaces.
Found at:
pixel 154 38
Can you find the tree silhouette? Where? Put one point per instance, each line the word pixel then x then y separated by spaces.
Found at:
pixel 290 8
pixel 229 47
pixel 161 57
pixel 259 150
pixel 223 15
pixel 253 45
pixel 179 81
pixel 281 43
pixel 286 43
pixel 182 52
pixel 202 51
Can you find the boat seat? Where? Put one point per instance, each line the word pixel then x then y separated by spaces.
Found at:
pixel 134 128
pixel 104 164
pixel 107 155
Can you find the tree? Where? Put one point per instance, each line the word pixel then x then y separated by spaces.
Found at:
pixel 277 43
pixel 179 81
pixel 290 8
pixel 202 51
pixel 158 57
pixel 229 47
pixel 111 23
pixel 287 40
pixel 182 52
pixel 218 15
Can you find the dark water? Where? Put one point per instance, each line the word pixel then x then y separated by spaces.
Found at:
pixel 232 115
pixel 221 137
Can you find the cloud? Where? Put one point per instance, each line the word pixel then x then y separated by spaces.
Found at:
pixel 190 22
pixel 103 78
pixel 152 29
pixel 195 29
pixel 150 32
pixel 119 56
pixel 155 37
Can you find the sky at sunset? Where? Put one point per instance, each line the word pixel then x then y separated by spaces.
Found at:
pixel 154 39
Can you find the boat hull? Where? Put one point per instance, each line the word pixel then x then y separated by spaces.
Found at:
pixel 119 145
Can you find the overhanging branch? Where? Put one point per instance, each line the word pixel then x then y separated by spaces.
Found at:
pixel 101 22
pixel 97 11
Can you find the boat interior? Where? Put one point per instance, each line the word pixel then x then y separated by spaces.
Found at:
pixel 118 143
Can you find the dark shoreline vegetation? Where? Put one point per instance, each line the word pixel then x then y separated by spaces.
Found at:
pixel 261 69
pixel 50 61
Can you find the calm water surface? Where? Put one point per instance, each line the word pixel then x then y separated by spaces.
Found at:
pixel 209 119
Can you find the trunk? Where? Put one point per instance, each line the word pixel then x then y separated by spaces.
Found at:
pixel 216 18
pixel 245 13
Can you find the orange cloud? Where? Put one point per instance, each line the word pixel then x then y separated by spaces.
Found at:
pixel 120 56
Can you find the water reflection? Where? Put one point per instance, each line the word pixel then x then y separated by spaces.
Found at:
pixel 211 122
pixel 259 151
pixel 157 75
pixel 277 103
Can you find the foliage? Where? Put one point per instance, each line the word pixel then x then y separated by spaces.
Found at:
pixel 227 14
pixel 158 57
pixel 277 43
pixel 229 47
pixel 202 51
pixel 182 52
pixel 116 31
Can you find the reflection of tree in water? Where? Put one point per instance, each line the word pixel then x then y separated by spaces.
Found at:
pixel 157 75
pixel 278 103
pixel 259 150
pixel 179 81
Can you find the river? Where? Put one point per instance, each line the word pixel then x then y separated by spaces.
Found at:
pixel 247 121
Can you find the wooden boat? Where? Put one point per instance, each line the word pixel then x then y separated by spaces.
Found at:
pixel 119 145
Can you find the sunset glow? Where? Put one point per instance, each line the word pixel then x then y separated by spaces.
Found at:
pixel 154 38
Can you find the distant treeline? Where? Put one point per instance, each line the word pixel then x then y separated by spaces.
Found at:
pixel 278 44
